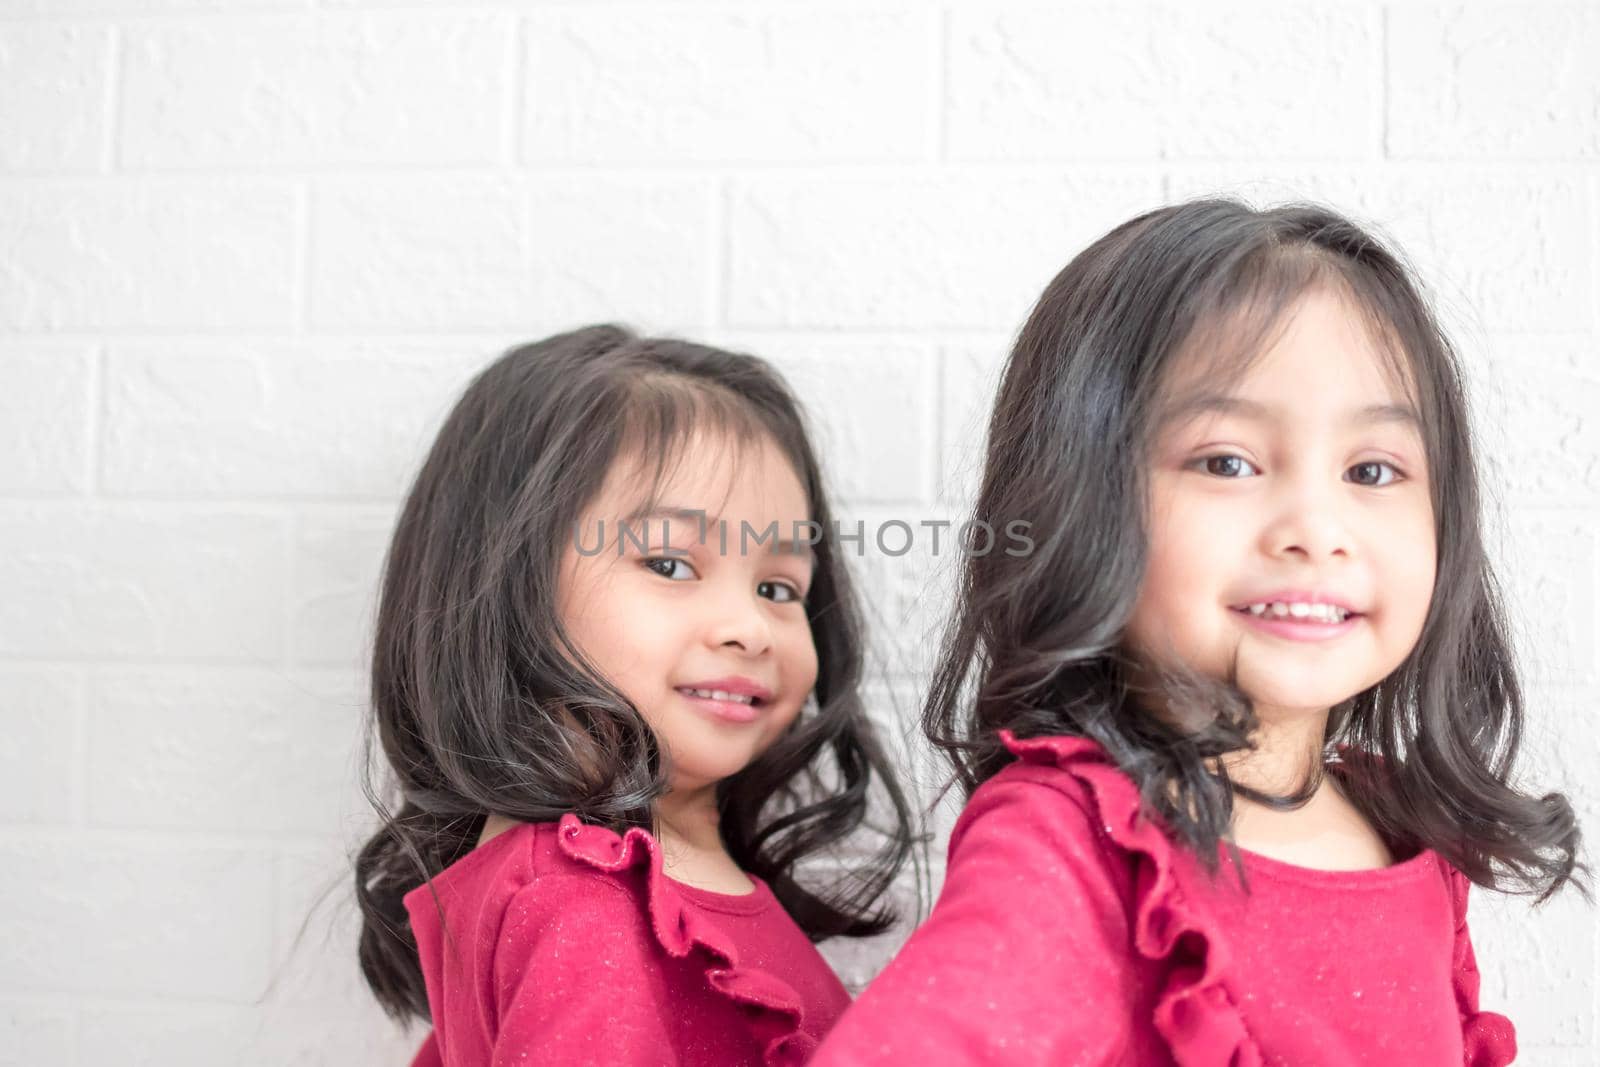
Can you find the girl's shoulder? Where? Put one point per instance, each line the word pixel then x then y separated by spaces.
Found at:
pixel 566 901
pixel 530 876
pixel 1064 810
pixel 633 862
pixel 615 886
pixel 549 862
pixel 1065 783
pixel 1085 826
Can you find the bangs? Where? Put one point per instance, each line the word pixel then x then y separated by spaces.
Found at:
pixel 669 421
pixel 1236 316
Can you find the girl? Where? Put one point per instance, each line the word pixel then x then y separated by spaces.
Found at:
pixel 1241 442
pixel 618 723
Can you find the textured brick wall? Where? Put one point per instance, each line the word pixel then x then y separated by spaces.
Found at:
pixel 249 250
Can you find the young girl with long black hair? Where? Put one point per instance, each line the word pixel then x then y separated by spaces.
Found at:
pixel 1260 615
pixel 618 691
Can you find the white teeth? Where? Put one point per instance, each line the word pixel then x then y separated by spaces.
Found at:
pixel 1277 609
pixel 718 694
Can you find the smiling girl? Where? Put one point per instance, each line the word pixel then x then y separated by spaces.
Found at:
pixel 1261 628
pixel 618 693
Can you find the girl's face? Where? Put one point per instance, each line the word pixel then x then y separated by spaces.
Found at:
pixel 1306 483
pixel 685 615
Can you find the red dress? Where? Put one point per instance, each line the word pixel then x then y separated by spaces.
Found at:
pixel 569 945
pixel 1070 931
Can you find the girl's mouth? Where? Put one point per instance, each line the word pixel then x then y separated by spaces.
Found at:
pixel 1299 622
pixel 721 704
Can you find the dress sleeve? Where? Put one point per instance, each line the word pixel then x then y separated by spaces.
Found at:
pixel 1025 958
pixel 1489 1038
pixel 576 980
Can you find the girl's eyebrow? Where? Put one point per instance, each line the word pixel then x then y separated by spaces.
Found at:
pixel 1222 404
pixel 700 522
pixel 693 515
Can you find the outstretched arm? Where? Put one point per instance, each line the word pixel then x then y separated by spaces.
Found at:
pixel 1026 957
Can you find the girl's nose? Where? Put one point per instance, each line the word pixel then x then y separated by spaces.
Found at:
pixel 739 621
pixel 1311 523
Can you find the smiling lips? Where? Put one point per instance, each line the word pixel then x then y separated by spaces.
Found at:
pixel 1320 605
pixel 729 699
pixel 1299 618
pixel 1299 611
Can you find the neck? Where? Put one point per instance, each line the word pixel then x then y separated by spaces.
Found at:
pixel 1288 750
pixel 1289 741
pixel 689 816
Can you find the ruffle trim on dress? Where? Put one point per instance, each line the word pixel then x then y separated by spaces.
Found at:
pixel 1196 1013
pixel 770 1007
pixel 1490 1039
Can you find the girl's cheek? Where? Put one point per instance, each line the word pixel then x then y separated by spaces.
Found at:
pixel 801 668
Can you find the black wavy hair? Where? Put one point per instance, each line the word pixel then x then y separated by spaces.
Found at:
pixel 481 701
pixel 1037 643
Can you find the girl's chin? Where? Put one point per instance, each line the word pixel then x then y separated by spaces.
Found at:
pixel 1314 689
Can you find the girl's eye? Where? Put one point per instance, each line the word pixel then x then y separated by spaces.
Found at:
pixel 670 566
pixel 1230 466
pixel 779 592
pixel 1375 466
pixel 1225 465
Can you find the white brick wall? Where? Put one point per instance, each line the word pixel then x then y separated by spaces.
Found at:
pixel 250 249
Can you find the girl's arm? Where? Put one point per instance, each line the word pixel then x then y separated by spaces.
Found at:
pixel 576 980
pixel 1026 957
pixel 1490 1038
